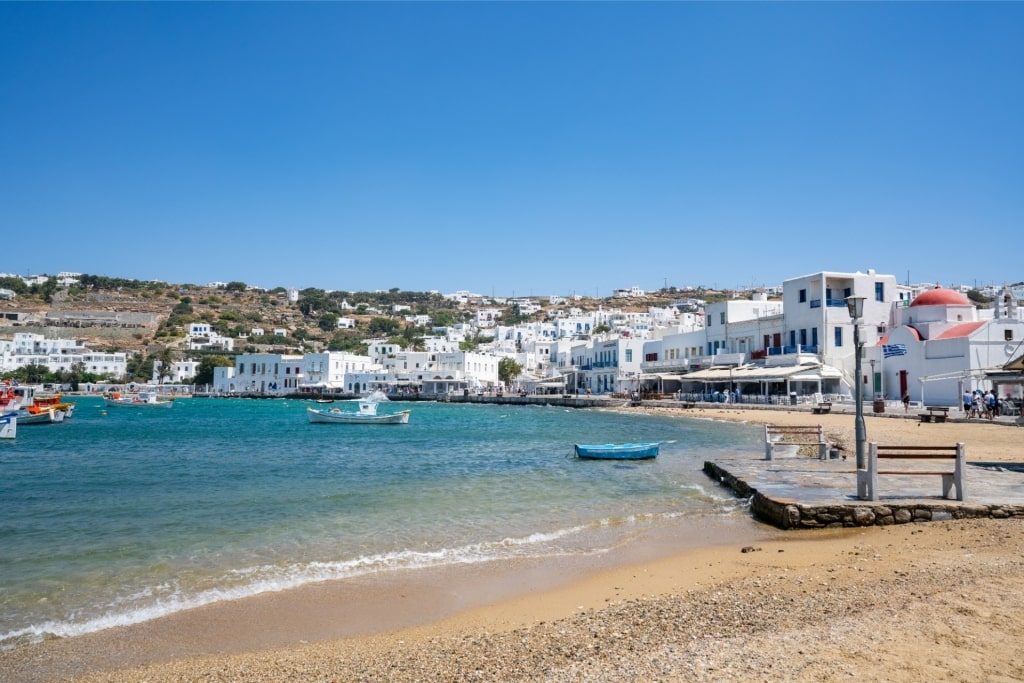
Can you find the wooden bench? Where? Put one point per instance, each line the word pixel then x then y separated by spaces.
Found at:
pixel 867 479
pixel 783 435
pixel 822 408
pixel 936 413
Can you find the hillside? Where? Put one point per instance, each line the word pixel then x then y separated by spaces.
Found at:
pixel 116 314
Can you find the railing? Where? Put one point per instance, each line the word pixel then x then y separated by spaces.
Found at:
pixel 789 349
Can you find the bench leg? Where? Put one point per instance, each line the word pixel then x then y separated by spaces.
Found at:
pixel 958 471
pixel 768 448
pixel 862 484
pixel 947 486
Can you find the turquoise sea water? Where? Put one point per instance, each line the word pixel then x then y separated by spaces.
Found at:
pixel 122 515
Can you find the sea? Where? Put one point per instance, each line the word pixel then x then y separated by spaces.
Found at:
pixel 118 516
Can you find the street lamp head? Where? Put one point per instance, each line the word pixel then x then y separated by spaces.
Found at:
pixel 855 304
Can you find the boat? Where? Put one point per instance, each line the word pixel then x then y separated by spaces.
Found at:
pixel 617 451
pixel 367 414
pixel 41 403
pixel 143 399
pixel 10 400
pixel 44 416
pixel 8 425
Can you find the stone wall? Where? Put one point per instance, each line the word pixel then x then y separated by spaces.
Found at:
pixel 788 514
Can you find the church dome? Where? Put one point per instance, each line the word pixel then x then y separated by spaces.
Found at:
pixel 941 297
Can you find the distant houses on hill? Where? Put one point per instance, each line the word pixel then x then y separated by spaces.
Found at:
pixel 789 344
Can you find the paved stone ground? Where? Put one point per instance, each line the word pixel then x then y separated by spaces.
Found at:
pixel 810 481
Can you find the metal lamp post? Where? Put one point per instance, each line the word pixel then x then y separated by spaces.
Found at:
pixel 855 304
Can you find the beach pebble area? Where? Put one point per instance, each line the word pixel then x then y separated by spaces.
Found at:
pixel 937 601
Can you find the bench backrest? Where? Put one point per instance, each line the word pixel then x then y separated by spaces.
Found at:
pixel 917 452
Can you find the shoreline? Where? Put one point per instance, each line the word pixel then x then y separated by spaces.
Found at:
pixel 801 605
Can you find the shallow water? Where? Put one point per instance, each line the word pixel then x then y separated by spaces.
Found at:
pixel 122 515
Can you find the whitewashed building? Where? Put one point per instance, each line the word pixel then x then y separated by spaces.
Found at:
pixel 182 372
pixel 261 373
pixel 329 370
pixel 27 348
pixel 940 344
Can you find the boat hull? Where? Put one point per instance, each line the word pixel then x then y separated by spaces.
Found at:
pixel 8 425
pixel 616 451
pixel 44 417
pixel 127 403
pixel 339 417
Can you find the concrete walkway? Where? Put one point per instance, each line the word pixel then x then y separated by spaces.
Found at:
pixel 792 491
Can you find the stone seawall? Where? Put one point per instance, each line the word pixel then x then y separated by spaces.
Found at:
pixel 787 513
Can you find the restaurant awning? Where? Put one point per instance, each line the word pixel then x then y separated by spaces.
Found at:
pixel 756 373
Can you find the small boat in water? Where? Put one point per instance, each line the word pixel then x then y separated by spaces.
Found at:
pixel 617 451
pixel 143 399
pixel 367 414
pixel 44 416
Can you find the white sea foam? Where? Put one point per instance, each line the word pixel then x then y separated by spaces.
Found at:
pixel 161 600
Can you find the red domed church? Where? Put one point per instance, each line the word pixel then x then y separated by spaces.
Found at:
pixel 942 344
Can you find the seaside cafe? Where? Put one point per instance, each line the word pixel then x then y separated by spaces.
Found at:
pixel 764 382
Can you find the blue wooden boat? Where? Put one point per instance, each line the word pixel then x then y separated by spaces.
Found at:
pixel 617 451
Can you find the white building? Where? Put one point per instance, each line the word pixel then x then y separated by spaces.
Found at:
pixel 201 336
pixel 329 370
pixel 607 365
pixel 27 348
pixel 803 344
pixel 182 372
pixel 261 373
pixel 940 344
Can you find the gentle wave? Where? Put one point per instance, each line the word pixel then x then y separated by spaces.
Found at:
pixel 169 598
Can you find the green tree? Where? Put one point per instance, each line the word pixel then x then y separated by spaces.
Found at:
pixel 509 369
pixel 328 322
pixel 166 358
pixel 383 327
pixel 204 373
pixel 236 286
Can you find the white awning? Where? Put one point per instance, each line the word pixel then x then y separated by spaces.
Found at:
pixel 756 373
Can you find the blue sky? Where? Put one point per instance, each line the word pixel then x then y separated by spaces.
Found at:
pixel 521 148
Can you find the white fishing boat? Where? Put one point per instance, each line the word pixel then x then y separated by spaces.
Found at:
pixel 44 416
pixel 366 414
pixel 143 399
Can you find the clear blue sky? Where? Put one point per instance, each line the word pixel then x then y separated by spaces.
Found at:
pixel 512 148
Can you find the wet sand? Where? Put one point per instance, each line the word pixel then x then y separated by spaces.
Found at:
pixel 937 601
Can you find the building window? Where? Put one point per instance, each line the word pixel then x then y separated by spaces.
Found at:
pixel 1008 335
pixel 879 291
pixel 839 337
pixel 721 317
pixel 629 355
pixel 803 295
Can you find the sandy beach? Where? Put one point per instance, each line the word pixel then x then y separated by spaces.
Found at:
pixel 936 601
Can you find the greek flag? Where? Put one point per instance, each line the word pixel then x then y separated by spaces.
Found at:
pixel 890 350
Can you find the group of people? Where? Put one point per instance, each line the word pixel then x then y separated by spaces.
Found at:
pixel 981 404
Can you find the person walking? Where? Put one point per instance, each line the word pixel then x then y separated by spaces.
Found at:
pixel 906 402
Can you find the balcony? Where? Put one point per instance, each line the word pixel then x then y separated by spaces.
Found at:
pixel 829 303
pixel 674 365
